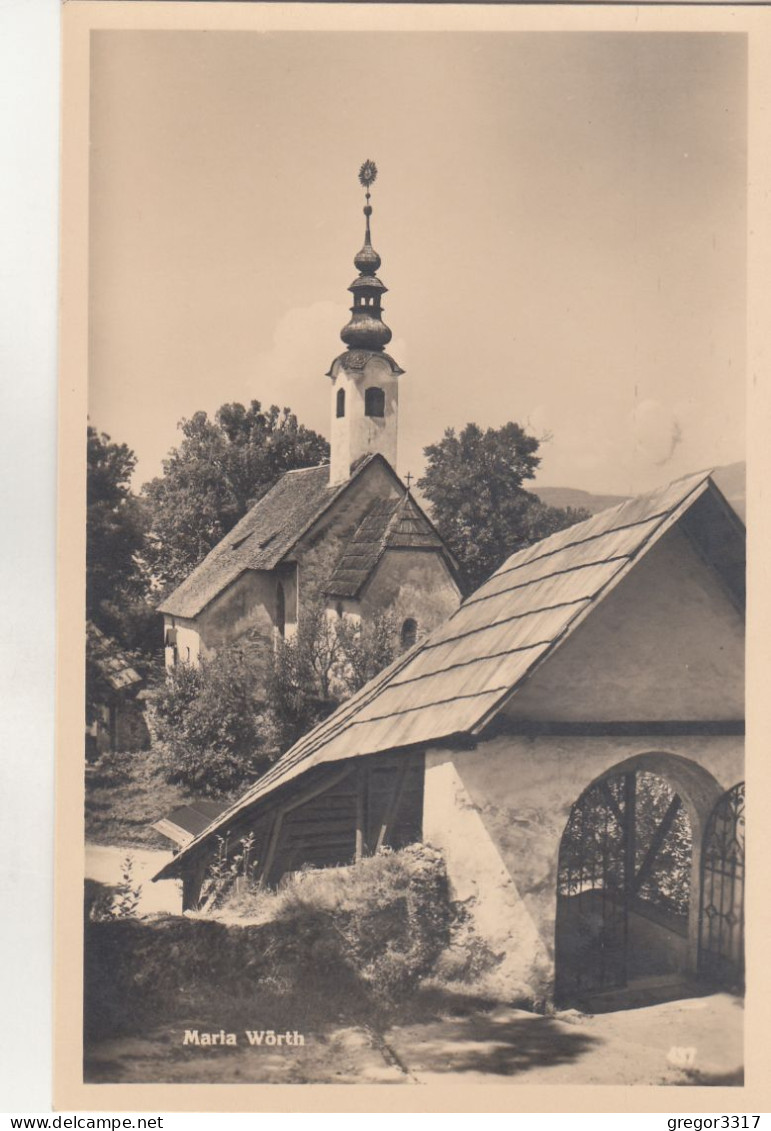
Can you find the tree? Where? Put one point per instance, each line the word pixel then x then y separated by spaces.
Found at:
pixel 326 661
pixel 210 723
pixel 221 468
pixel 115 525
pixel 220 725
pixel 473 482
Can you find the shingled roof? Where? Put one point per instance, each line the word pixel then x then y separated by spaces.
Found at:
pixel 111 661
pixel 453 683
pixel 269 531
pixel 390 524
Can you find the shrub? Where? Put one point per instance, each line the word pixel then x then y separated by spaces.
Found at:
pixel 105 902
pixel 209 723
pixel 387 919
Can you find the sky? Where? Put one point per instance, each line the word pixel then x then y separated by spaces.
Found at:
pixel 561 219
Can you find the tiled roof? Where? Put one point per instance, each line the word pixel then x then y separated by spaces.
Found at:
pixel 186 822
pixel 110 659
pixel 454 682
pixel 389 524
pixel 260 540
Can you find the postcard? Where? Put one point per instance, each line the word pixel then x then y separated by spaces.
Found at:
pixel 404 398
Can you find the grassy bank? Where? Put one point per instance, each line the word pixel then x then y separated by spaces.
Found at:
pixel 354 945
pixel 125 794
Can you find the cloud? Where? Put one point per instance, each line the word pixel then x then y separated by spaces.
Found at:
pixel 293 371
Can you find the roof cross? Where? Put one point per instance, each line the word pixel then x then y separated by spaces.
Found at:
pixel 409 477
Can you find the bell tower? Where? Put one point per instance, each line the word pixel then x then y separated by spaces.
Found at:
pixel 365 390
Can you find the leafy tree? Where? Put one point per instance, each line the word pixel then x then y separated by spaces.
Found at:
pixel 474 483
pixel 299 683
pixel 115 525
pixel 220 725
pixel 324 663
pixel 221 468
pixel 210 723
pixel 366 648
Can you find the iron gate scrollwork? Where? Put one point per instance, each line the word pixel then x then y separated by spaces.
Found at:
pixel 721 919
pixel 591 924
pixel 625 858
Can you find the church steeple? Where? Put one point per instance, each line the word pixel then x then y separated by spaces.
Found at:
pixel 364 379
pixel 366 329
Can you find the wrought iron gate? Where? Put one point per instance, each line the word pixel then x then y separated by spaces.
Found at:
pixel 626 848
pixel 721 919
pixel 591 917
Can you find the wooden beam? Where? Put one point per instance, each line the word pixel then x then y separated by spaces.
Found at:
pixel 360 812
pixel 657 841
pixel 275 832
pixel 309 795
pixel 393 805
pixel 192 881
pixel 314 791
pixel 619 728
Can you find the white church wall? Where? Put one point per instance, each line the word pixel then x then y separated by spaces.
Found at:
pixel 415 584
pixel 355 434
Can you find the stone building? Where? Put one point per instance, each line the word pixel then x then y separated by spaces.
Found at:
pixel 571 738
pixel 349 533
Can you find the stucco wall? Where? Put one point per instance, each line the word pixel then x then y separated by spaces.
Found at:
pixel 413 583
pixel 188 640
pixel 499 812
pixel 355 434
pixel 667 644
pixel 248 604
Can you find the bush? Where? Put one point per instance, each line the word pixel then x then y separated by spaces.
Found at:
pixel 209 723
pixel 361 944
pixel 387 919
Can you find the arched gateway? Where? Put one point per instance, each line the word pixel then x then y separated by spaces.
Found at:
pixel 649 881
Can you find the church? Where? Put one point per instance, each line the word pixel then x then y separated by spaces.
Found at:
pixel 348 533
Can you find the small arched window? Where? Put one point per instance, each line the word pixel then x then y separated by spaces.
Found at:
pixel 340 402
pixel 374 402
pixel 280 609
pixel 409 633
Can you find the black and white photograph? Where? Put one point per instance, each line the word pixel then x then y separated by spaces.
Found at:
pixel 413 733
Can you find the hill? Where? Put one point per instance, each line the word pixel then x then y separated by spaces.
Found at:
pixel 731 479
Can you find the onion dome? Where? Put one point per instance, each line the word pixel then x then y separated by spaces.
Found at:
pixel 366 329
pixel 367 261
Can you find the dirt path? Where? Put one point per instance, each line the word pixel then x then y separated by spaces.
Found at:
pixel 697 1041
pixel 105 864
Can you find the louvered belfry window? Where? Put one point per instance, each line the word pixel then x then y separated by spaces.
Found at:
pixel 374 402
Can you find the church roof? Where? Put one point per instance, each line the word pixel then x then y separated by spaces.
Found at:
pixel 269 531
pixel 391 524
pixel 452 684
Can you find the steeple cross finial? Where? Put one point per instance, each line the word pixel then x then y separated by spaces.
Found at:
pixel 367 175
pixel 409 477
